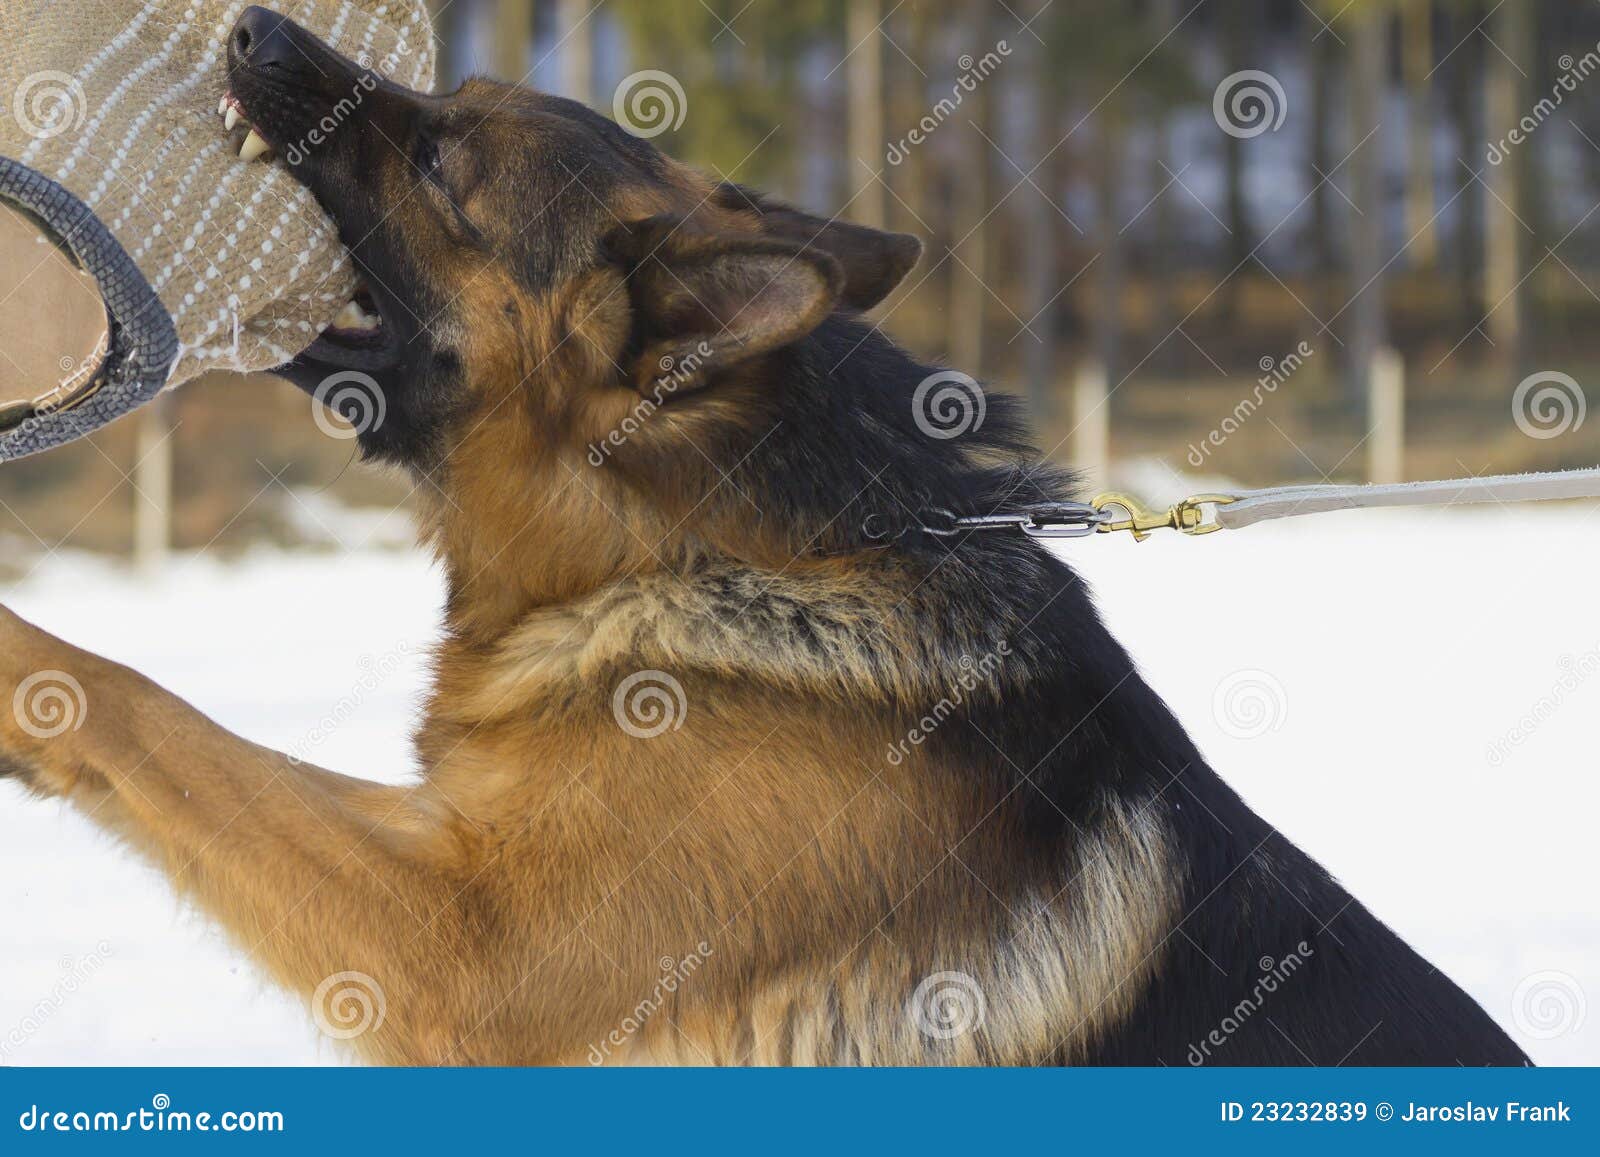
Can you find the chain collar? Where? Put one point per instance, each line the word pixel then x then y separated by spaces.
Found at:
pixel 1046 520
pixel 1061 519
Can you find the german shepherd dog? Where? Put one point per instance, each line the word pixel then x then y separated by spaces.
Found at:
pixel 727 759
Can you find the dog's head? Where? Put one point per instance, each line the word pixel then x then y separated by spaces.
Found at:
pixel 519 250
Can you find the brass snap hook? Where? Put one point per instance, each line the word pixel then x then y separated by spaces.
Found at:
pixel 1188 516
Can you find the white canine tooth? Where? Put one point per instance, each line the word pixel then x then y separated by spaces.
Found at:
pixel 253 146
pixel 222 105
pixel 350 317
pixel 230 118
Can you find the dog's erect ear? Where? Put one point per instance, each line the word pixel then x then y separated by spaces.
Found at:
pixel 704 303
pixel 874 261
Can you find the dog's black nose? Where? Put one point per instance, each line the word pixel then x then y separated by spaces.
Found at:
pixel 262 38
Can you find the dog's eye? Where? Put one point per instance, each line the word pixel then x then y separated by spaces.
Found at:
pixel 427 159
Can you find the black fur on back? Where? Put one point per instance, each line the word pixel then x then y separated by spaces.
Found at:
pixel 1270 961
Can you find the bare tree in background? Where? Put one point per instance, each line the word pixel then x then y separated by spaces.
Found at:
pixel 1324 64
pixel 1534 170
pixel 1367 28
pixel 1164 17
pixel 449 36
pixel 1503 224
pixel 1110 152
pixel 576 35
pixel 1036 227
pixel 866 139
pixel 739 66
pixel 1416 36
pixel 1240 18
pixel 906 101
pixel 513 36
pixel 970 272
pixel 1467 100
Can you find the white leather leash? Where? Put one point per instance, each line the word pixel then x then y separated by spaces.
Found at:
pixel 1254 506
pixel 1205 513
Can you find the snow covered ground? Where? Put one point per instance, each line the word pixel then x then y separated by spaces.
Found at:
pixel 1410 696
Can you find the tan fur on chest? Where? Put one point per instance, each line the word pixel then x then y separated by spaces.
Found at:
pixel 824 892
pixel 1030 981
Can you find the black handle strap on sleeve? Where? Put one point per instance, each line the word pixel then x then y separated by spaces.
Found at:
pixel 142 342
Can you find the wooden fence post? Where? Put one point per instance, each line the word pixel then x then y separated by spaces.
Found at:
pixel 1386 410
pixel 1091 422
pixel 152 480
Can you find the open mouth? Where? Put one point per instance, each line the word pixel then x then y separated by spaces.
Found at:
pixel 357 337
pixel 359 322
pixel 248 141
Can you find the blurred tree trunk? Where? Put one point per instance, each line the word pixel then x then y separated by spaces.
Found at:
pixel 1466 98
pixel 450 31
pixel 907 101
pixel 1416 17
pixel 1036 226
pixel 1239 20
pixel 513 36
pixel 1111 270
pixel 152 484
pixel 866 140
pixel 909 191
pixel 816 172
pixel 970 275
pixel 1368 43
pixel 1164 16
pixel 1324 65
pixel 576 36
pixel 1512 31
pixel 1536 177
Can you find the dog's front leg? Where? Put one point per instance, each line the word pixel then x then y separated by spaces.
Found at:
pixel 316 875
